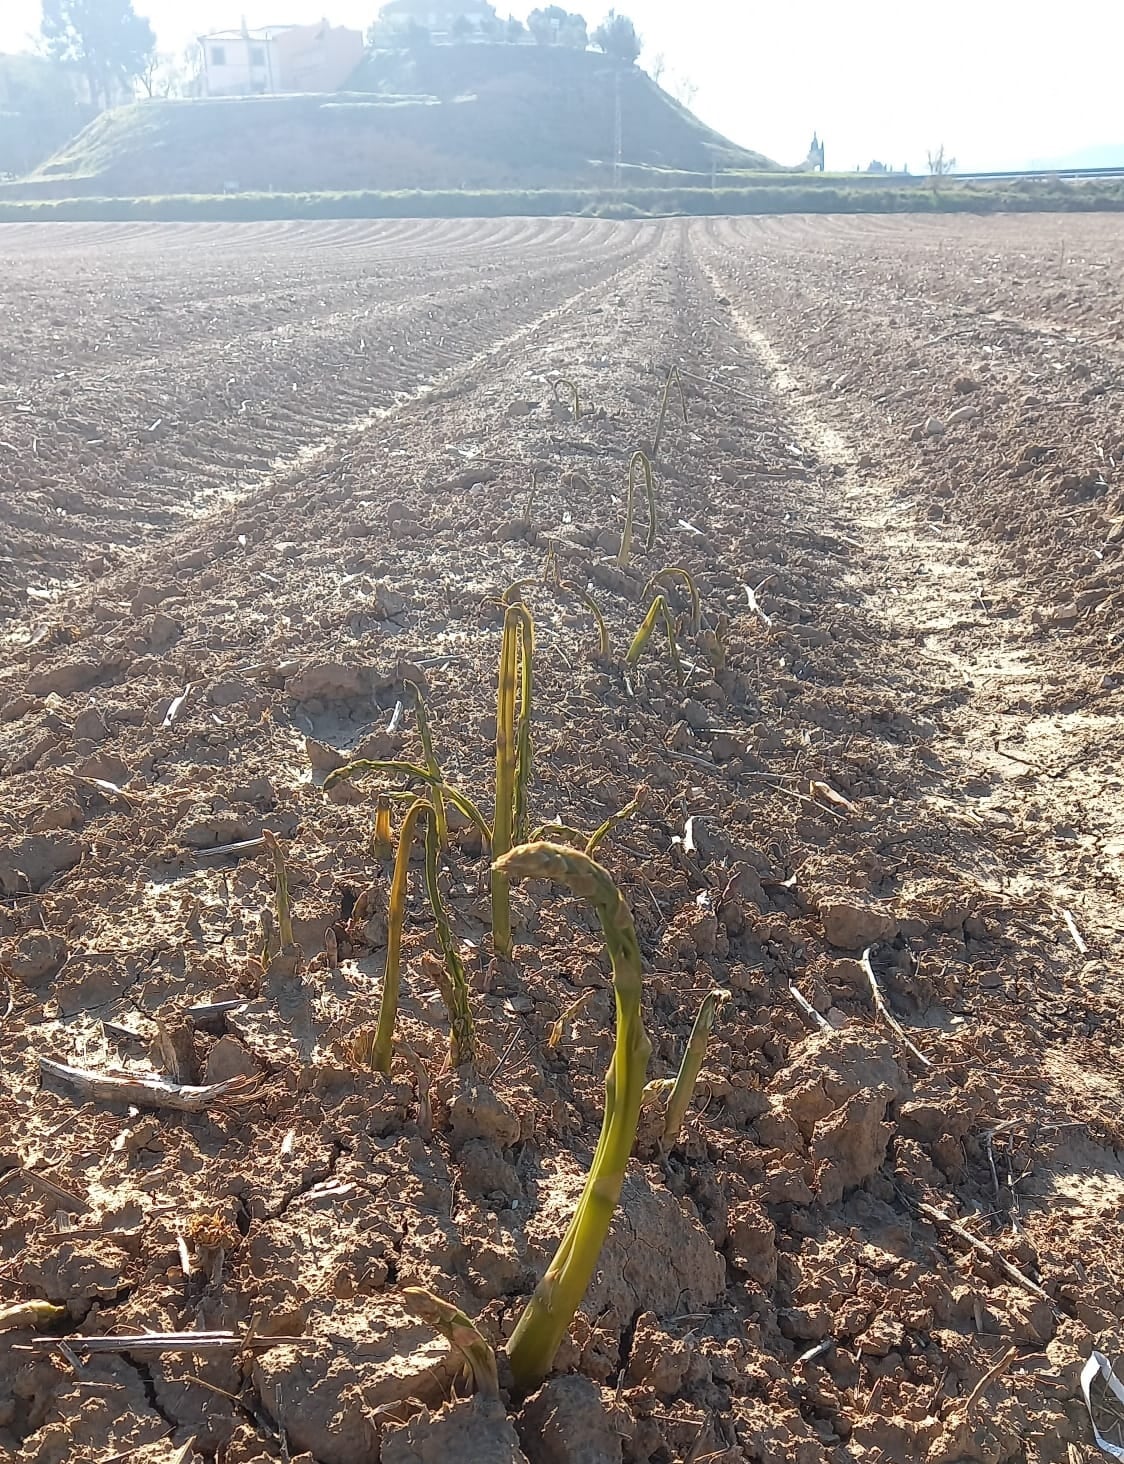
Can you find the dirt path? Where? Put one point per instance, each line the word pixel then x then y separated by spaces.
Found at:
pixel 893 737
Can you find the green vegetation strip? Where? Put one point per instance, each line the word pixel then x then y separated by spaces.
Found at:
pixel 1029 196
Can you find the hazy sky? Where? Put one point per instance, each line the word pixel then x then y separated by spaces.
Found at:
pixel 999 82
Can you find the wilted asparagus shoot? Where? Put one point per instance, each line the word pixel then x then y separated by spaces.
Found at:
pixel 588 842
pixel 459 800
pixel 382 840
pixel 591 605
pixel 513 759
pixel 534 488
pixel 672 375
pixel 432 764
pixel 639 459
pixel 454 983
pixel 574 1009
pixel 657 611
pixel 674 572
pixel 575 398
pixel 270 944
pixel 21 1314
pixel 612 821
pixel 689 1069
pixel 396 914
pixel 548 1314
pixel 280 888
pixel 452 1323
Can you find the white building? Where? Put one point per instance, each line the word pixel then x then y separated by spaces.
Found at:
pixel 279 58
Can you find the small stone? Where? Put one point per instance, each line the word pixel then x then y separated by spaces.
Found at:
pixel 965 384
pixel 752 1242
pixel 566 1422
pixel 846 973
pixel 387 602
pixel 68 677
pixel 229 1059
pixel 853 926
pixel 1065 616
pixel 511 530
pixel 37 955
pixel 331 681
pixel 962 414
pixel 476 1113
pixel 679 739
pixel 15 708
pixel 89 726
pixel 34 749
pixel 65 815
pixel 28 864
pixel 162 632
pixel 520 408
pixel 695 714
pixel 934 427
pixel 208 830
pixel 146 597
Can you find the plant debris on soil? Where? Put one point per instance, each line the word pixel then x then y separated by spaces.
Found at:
pixel 256 484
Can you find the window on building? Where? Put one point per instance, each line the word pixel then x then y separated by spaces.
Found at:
pixel 218 55
pixel 257 55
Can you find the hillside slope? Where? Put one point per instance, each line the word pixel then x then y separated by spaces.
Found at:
pixel 480 116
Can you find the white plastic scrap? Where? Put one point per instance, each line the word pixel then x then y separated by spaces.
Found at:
pixel 1098 1363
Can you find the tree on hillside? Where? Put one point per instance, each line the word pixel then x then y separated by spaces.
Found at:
pixel 616 36
pixel 167 75
pixel 554 26
pixel 462 28
pixel 105 40
pixel 39 110
pixel 417 37
pixel 941 166
pixel 683 89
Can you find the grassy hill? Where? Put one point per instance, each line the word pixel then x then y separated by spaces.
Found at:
pixel 445 117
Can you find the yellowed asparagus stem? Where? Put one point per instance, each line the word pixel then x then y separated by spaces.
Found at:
pixel 454 985
pixel 382 840
pixel 641 460
pixel 674 571
pixel 458 799
pixel 548 1314
pixel 657 611
pixel 672 375
pixel 683 1089
pixel 396 914
pixel 27 1314
pixel 438 779
pixel 280 888
pixel 574 395
pixel 591 605
pixel 513 758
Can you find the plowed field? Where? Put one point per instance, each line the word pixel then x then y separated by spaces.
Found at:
pixel 258 483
